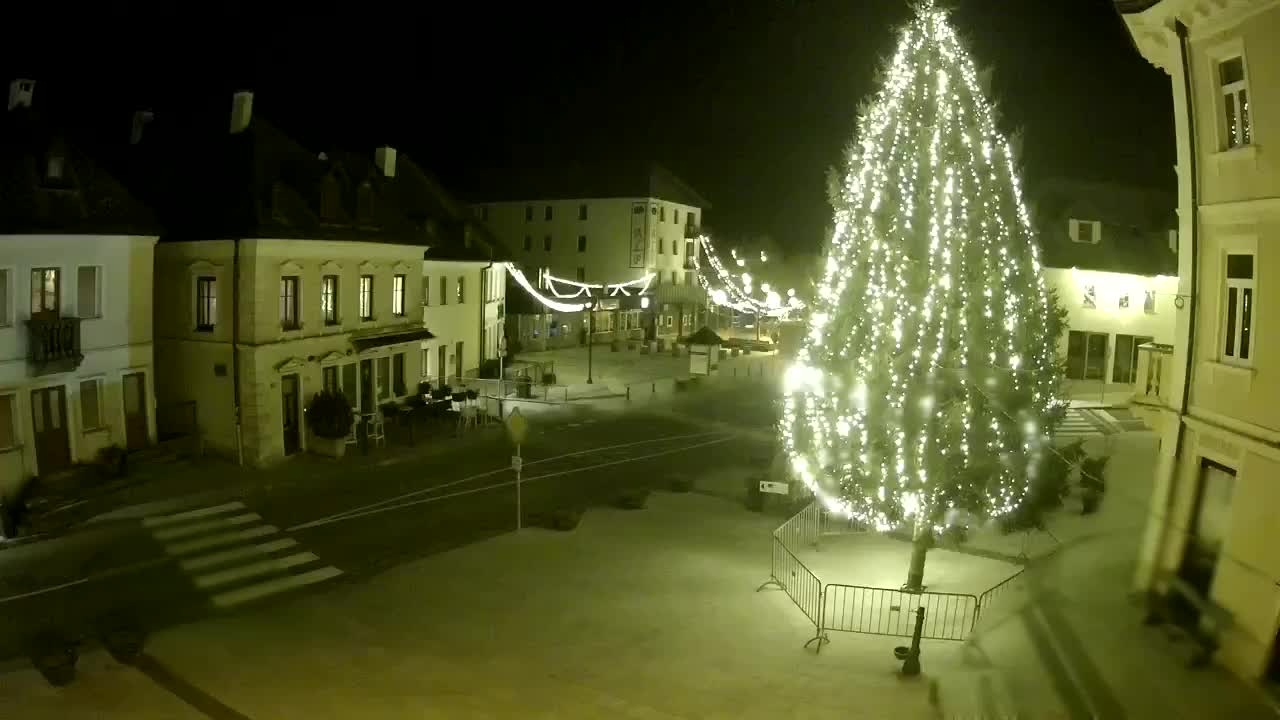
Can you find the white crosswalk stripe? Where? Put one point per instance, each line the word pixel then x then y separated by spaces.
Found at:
pixel 1084 423
pixel 233 555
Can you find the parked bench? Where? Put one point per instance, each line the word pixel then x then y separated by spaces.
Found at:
pixel 1212 619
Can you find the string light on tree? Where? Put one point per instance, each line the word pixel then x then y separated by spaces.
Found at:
pixel 925 391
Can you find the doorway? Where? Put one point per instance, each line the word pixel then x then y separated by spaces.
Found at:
pixel 442 363
pixel 1086 355
pixel 366 386
pixel 457 362
pixel 1125 367
pixel 1210 521
pixel 289 413
pixel 49 423
pixel 135 411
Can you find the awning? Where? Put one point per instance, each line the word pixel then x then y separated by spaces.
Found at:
pixel 391 338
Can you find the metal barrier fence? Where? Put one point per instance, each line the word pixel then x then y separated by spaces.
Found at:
pixel 987 599
pixel 800 584
pixel 880 611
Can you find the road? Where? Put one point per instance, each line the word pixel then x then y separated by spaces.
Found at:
pixel 302 536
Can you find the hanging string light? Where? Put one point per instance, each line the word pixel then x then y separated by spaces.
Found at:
pixel 736 291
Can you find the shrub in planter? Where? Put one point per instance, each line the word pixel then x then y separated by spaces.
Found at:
pixel 55 657
pixel 548 378
pixel 632 499
pixel 682 484
pixel 424 388
pixel 123 637
pixel 329 416
pixel 564 519
pixel 112 462
pixel 473 394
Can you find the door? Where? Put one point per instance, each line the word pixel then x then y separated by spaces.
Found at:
pixel 366 386
pixel 1086 355
pixel 289 413
pixel 1211 519
pixel 135 410
pixel 49 423
pixel 442 364
pixel 457 361
pixel 1125 369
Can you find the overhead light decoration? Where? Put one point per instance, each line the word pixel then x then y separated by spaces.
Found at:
pixel 927 385
pixel 736 291
pixel 589 292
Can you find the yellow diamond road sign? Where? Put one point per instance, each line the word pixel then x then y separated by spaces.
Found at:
pixel 517 426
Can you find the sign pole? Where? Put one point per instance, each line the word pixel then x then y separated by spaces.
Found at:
pixel 519 510
pixel 517 427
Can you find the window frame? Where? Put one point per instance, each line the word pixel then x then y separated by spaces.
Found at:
pixel 101 423
pixel 365 298
pixel 399 284
pixel 290 303
pixel 1073 231
pixel 7 275
pixel 1236 335
pixel 460 290
pixel 206 311
pixel 98 293
pixel 57 292
pixel 1234 91
pixel 444 290
pixel 14 430
pixel 329 298
pixel 582 243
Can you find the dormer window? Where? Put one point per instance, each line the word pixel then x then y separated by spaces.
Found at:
pixel 53 169
pixel 1085 231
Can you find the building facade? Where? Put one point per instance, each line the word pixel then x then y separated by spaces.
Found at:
pixel 75 303
pixel 1110 253
pixel 1212 522
pixel 600 227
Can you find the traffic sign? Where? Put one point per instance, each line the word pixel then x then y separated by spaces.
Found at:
pixel 517 462
pixel 517 426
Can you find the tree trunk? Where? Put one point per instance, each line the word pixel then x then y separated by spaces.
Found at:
pixel 919 546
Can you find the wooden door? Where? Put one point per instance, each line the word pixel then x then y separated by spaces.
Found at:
pixel 135 410
pixel 49 424
pixel 289 413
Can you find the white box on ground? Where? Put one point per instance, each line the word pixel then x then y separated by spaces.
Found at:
pixel 777 488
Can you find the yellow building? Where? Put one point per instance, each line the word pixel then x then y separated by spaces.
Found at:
pixel 1212 533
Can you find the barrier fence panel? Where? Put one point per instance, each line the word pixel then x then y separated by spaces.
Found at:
pixel 800 584
pixel 989 598
pixel 880 611
pixel 803 528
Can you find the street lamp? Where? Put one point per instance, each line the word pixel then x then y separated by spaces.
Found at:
pixel 591 329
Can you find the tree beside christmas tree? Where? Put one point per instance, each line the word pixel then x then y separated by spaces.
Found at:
pixel 926 390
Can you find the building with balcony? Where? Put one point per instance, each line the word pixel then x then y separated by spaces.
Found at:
pixel 1110 253
pixel 75 302
pixel 598 225
pixel 1211 534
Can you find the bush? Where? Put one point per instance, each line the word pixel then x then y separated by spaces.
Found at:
pixel 123 637
pixel 548 378
pixel 565 519
pixel 55 657
pixel 112 462
pixel 632 499
pixel 1092 484
pixel 682 484
pixel 329 415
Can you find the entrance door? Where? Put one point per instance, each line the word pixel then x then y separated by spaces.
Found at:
pixel 457 361
pixel 1086 355
pixel 289 413
pixel 49 421
pixel 442 363
pixel 135 411
pixel 1125 368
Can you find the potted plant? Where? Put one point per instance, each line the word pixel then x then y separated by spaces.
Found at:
pixel 329 416
pixel 112 462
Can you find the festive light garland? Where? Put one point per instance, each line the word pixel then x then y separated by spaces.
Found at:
pixel 639 285
pixel 726 292
pixel 925 387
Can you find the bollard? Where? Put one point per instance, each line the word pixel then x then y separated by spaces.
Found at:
pixel 653 388
pixel 628 392
pixel 911 665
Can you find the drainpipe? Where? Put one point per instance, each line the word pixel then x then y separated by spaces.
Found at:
pixel 235 346
pixel 1181 30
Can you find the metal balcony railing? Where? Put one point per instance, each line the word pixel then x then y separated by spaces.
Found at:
pixel 53 343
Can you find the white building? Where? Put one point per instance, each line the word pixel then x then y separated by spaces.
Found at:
pixel 463 307
pixel 594 226
pixel 75 304
pixel 1110 253
pixel 1211 537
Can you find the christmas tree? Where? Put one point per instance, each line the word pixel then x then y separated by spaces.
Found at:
pixel 926 390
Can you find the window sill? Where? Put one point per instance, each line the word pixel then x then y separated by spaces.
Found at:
pixel 1244 151
pixel 95 430
pixel 203 329
pixel 1218 368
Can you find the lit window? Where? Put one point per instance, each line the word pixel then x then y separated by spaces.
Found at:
pixel 1235 102
pixel 397 295
pixel 366 297
pixel 1085 231
pixel 329 299
pixel 1237 321
pixel 1090 297
pixel 289 302
pixel 462 289
pixel 46 286
pixel 206 303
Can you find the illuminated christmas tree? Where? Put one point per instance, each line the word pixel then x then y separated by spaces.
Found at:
pixel 926 390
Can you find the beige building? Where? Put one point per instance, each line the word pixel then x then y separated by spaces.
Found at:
pixel 1212 529
pixel 75 304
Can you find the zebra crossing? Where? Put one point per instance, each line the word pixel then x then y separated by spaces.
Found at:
pixel 230 554
pixel 1085 423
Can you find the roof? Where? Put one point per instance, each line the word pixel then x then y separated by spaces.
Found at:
pixel 1129 7
pixel 704 336
pixel 83 200
pixel 612 179
pixel 1136 224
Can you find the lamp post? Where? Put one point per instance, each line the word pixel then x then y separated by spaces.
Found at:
pixel 591 329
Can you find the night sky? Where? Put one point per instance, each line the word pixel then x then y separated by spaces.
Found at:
pixel 748 102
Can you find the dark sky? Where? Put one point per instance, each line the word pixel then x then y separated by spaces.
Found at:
pixel 748 101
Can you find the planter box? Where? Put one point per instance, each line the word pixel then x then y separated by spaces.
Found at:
pixel 328 447
pixel 614 346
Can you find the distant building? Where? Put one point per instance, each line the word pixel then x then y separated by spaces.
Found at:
pixel 1110 252
pixel 75 302
pixel 599 226
pixel 1211 538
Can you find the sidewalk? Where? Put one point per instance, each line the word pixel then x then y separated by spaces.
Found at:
pixel 617 370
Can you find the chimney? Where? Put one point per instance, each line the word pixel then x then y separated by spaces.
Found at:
pixel 140 120
pixel 241 111
pixel 20 93
pixel 385 157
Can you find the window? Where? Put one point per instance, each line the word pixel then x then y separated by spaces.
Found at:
pixel 688 279
pixel 366 297
pixel 461 290
pixel 528 243
pixel 289 302
pixel 662 213
pixel 1149 303
pixel 397 374
pixel 546 243
pixel 688 252
pixel 397 295
pixel 1090 296
pixel 582 211
pixel 675 216
pixel 675 247
pixel 206 303
pixel 8 428
pixel 45 290
pixel 89 291
pixel 1085 231
pixel 1237 326
pixel 1086 355
pixel 546 213
pixel 693 220
pixel 53 170
pixel 384 377
pixel 1235 102
pixel 662 244
pixel 349 385
pixel 1125 367
pixel 426 291
pixel 1212 523
pixel 674 278
pixel 5 317
pixel 582 274
pixel 582 243
pixel 528 213
pixel 329 378
pixel 484 213
pixel 91 404
pixel 444 290
pixel 329 299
